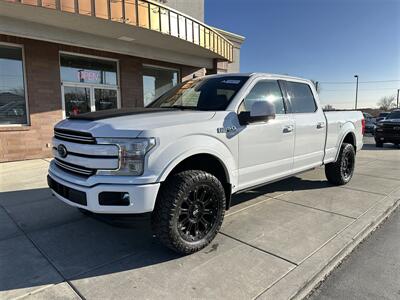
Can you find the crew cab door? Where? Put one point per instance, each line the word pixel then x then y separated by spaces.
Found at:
pixel 265 148
pixel 310 126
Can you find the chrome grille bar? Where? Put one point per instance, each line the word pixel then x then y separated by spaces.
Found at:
pixel 74 169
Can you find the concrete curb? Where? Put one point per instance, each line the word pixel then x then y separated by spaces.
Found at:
pixel 309 274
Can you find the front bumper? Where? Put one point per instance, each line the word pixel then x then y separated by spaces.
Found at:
pixel 387 137
pixel 142 198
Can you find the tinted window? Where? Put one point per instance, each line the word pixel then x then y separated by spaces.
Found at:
pixel 301 97
pixel 12 89
pixel 393 115
pixel 266 90
pixel 213 93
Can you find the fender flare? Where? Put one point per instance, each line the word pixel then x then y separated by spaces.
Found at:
pixel 198 151
pixel 348 130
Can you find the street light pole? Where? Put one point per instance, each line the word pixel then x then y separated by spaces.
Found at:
pixel 356 76
pixel 398 91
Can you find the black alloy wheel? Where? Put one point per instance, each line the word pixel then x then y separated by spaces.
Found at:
pixel 341 171
pixel 189 211
pixel 198 214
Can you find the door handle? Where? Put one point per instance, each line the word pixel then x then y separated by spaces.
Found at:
pixel 288 129
pixel 320 125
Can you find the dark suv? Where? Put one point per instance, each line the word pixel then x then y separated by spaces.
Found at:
pixel 388 130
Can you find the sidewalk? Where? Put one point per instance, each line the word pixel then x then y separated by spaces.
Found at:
pixel 276 242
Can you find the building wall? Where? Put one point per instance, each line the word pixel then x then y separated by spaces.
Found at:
pixel 193 8
pixel 44 94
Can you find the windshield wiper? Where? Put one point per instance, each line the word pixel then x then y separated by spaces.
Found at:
pixel 184 107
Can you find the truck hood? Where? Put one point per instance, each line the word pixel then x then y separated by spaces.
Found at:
pixel 390 121
pixel 132 123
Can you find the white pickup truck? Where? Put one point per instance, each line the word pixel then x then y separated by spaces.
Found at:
pixel 181 158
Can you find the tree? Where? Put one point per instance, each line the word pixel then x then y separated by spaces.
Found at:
pixel 387 102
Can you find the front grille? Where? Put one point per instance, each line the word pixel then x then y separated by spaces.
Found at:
pixel 74 168
pixel 74 136
pixel 67 192
pixel 391 128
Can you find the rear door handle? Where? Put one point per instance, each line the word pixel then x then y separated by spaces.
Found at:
pixel 288 128
pixel 320 125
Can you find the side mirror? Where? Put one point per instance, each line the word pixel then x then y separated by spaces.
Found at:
pixel 261 111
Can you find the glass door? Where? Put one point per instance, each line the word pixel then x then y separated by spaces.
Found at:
pixel 76 100
pixel 105 98
pixel 79 98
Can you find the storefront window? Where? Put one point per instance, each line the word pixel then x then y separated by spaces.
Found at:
pixel 12 88
pixel 157 81
pixel 88 84
pixel 88 70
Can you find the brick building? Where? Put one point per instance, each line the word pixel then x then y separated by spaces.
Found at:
pixel 63 57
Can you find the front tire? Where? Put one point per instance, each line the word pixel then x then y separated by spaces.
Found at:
pixel 189 211
pixel 341 171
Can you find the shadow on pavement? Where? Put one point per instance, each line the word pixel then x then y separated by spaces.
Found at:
pixel 79 247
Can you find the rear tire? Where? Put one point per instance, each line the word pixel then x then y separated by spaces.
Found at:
pixel 341 171
pixel 189 211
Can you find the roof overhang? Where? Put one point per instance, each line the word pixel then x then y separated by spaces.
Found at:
pixel 85 30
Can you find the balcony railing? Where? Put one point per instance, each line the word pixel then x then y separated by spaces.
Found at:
pixel 146 14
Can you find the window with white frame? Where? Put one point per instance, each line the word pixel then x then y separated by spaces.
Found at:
pixel 88 84
pixel 13 105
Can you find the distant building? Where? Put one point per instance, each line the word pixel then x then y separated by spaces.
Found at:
pixel 63 57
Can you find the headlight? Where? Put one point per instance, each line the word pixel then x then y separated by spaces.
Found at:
pixel 131 155
pixel 378 127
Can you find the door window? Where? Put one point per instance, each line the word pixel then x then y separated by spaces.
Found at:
pixel 77 100
pixel 301 97
pixel 265 90
pixel 105 99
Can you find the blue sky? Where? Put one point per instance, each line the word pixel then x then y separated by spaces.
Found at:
pixel 323 40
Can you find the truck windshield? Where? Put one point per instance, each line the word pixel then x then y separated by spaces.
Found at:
pixel 213 93
pixel 393 115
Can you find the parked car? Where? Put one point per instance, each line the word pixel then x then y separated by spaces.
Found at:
pixel 388 130
pixel 182 157
pixel 367 116
pixel 382 116
pixel 370 126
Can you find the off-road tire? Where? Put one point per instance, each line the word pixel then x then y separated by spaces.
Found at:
pixel 173 192
pixel 335 172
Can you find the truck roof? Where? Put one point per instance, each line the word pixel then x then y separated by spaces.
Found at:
pixel 256 74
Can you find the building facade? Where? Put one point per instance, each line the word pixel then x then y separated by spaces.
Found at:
pixel 65 57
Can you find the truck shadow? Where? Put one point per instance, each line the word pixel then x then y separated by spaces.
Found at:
pixel 54 242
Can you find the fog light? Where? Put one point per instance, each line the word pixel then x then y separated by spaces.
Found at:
pixel 114 199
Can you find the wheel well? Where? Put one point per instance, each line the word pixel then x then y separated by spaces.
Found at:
pixel 209 164
pixel 350 139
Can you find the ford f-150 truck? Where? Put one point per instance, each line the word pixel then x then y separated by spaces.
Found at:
pixel 181 158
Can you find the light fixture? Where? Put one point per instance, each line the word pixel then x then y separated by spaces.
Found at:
pixel 126 38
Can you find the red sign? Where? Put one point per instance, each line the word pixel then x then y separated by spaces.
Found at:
pixel 91 76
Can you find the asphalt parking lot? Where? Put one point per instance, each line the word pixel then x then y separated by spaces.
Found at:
pixel 276 242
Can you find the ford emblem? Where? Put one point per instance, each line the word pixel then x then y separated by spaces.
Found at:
pixel 62 151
